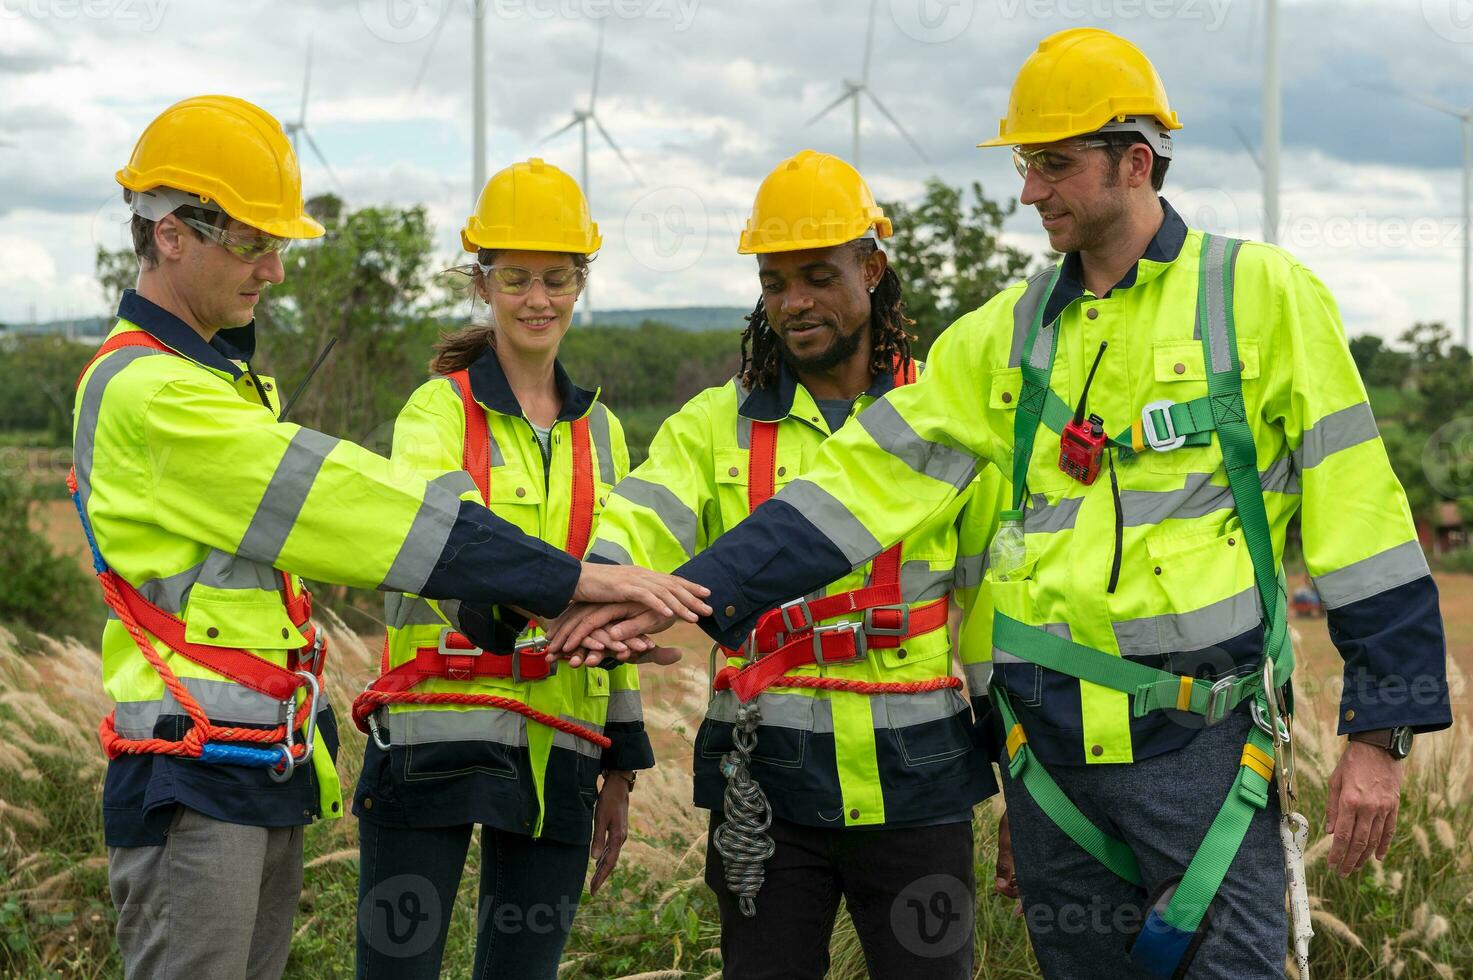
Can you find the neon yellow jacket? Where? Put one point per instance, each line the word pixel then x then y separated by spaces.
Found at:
pixel 1185 599
pixel 457 764
pixel 822 756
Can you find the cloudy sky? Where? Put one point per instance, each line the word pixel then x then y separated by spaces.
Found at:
pixel 705 96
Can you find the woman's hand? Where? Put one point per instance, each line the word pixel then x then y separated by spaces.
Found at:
pixel 610 826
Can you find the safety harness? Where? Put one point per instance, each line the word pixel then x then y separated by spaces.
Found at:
pixel 206 741
pixel 793 635
pixel 456 657
pixel 1176 924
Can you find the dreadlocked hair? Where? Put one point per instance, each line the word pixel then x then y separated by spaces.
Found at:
pixel 762 350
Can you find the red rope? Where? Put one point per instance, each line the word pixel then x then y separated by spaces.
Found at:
pixel 369 701
pixel 869 687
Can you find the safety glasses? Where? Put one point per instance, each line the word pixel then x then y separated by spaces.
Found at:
pixel 515 281
pixel 1057 161
pixel 247 248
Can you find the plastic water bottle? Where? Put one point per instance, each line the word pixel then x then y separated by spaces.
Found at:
pixel 1007 552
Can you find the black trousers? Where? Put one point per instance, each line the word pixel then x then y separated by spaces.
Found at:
pixel 911 893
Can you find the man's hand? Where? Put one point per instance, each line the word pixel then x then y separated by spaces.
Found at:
pixel 610 827
pixel 667 595
pixel 584 625
pixel 1365 794
pixel 1006 882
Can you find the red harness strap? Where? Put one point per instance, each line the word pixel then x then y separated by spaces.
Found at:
pixel 395 686
pixel 241 666
pixel 790 636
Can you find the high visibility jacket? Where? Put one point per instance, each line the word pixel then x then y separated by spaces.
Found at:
pixel 455 764
pixel 201 499
pixel 824 758
pixel 1185 599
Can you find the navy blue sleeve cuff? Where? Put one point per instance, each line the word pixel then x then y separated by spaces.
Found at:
pixel 1395 660
pixel 630 749
pixel 487 561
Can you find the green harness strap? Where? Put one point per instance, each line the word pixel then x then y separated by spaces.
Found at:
pixel 1152 689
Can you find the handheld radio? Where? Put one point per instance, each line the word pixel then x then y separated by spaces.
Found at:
pixel 1082 443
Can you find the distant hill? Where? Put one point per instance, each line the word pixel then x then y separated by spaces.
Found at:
pixel 83 326
pixel 695 318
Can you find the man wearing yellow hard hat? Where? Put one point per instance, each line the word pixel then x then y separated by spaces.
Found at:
pixel 204 510
pixel 838 757
pixel 1164 401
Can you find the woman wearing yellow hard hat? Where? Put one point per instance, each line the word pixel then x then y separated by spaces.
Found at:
pixel 470 724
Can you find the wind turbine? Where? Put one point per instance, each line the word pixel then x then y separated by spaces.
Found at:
pixel 581 119
pixel 1272 106
pixel 1465 116
pixel 854 88
pixel 298 126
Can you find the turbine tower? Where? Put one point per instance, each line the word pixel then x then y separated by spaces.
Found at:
pixel 298 127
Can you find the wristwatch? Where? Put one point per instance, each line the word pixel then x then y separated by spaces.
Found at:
pixel 1397 741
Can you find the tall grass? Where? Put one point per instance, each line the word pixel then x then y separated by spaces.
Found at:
pixel 1410 917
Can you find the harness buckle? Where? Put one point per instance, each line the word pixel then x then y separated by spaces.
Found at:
pixel 1219 700
pixel 861 642
pixel 788 625
pixel 872 629
pixel 535 645
pixel 1157 441
pixel 445 651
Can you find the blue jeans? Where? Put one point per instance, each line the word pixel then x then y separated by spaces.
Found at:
pixel 1082 919
pixel 407 883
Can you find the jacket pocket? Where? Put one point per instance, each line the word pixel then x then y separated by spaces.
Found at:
pixel 1044 475
pixel 1014 599
pixel 1179 374
pixel 252 619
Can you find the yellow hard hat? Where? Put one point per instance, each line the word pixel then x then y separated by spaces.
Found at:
pixel 227 152
pixel 1086 80
pixel 532 206
pixel 811 200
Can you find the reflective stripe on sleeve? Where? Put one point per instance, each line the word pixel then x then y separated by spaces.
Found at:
pixel 276 514
pixel 892 433
pixel 833 520
pixel 1336 431
pixel 678 519
pixel 1370 576
pixel 425 541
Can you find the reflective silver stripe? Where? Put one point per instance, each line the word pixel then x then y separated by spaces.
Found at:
pixel 833 520
pixel 678 519
pixel 919 582
pixel 1198 497
pixel 85 443
pixel 1043 346
pixel 402 610
pixel 1001 656
pixel 1282 476
pixel 277 512
pixel 603 446
pixel 609 551
pixel 978 677
pixel 1372 576
pixel 457 482
pixel 450 609
pixel 1336 431
pixel 566 740
pixel 1154 636
pixel 797 711
pixel 1211 303
pixel 224 703
pixel 1046 518
pixel 970 570
pixel 892 433
pixel 743 432
pixel 171 592
pixel 1025 310
pixel 425 541
pixel 905 710
pixel 222 570
pixel 624 707
pixel 421 727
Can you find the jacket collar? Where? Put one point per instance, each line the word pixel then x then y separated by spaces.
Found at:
pixel 1160 253
pixel 776 403
pixel 220 354
pixel 491 389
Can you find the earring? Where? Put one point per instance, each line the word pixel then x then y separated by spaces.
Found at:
pixel 872 289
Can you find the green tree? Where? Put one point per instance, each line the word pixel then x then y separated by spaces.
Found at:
pixel 38 373
pixel 949 256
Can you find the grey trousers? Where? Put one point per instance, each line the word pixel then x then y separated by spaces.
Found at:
pixel 1082 919
pixel 214 901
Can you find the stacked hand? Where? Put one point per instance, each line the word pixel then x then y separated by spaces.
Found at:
pixel 615 609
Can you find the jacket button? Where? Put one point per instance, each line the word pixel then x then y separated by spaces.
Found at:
pixel 854 814
pixel 267 386
pixel 521 491
pixel 733 471
pixel 900 654
pixel 814 420
pixel 212 632
pixel 1179 368
pixel 1231 542
pixel 1007 398
pixel 1158 569
pixel 336 806
pixel 603 501
pixel 285 633
pixel 1092 313
pixel 368 803
pixel 730 611
pixel 1097 750
pixel 782 471
pixel 1350 715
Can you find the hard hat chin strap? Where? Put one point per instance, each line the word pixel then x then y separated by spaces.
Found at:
pixel 157 202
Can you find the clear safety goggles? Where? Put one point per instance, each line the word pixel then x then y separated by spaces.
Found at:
pixel 516 281
pixel 1057 161
pixel 247 248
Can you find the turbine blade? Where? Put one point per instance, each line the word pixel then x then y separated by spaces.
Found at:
pixel 317 152
pixel 896 123
pixel 1252 153
pixel 831 107
pixel 598 61
pixel 869 42
pixel 610 140
pixel 430 51
pixel 558 132
pixel 1431 103
pixel 306 84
